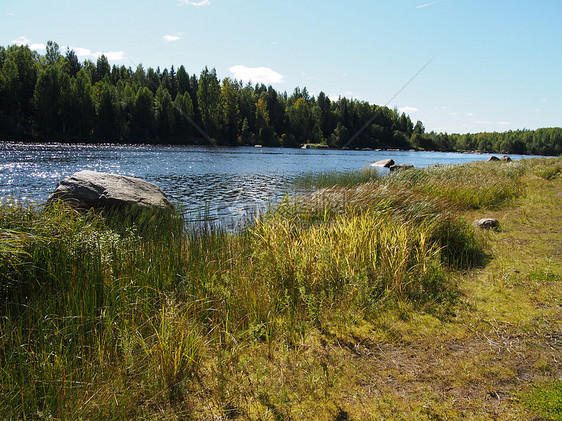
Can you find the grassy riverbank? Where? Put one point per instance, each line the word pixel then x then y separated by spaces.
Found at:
pixel 370 301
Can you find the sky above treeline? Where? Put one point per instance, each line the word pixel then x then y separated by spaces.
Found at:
pixel 459 66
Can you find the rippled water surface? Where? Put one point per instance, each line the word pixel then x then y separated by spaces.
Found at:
pixel 229 184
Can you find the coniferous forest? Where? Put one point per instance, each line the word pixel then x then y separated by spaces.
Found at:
pixel 55 97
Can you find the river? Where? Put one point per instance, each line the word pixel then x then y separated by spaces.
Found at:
pixel 228 184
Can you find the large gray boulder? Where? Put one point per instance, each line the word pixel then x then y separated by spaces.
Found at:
pixel 386 163
pixel 87 189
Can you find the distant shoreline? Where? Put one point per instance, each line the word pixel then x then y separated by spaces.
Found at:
pixel 313 146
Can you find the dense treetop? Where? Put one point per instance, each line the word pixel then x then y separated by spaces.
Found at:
pixel 56 97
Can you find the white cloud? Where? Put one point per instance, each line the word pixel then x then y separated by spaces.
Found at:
pixel 194 3
pixel 256 74
pixel 25 41
pixel 86 53
pixel 113 55
pixel 172 38
pixel 83 53
pixel 504 123
pixel 9 14
pixel 544 100
pixel 21 41
pixel 408 109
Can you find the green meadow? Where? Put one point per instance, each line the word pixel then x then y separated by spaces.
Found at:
pixel 364 297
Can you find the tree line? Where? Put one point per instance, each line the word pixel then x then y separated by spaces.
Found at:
pixel 56 97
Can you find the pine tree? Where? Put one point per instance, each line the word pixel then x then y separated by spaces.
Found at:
pixel 208 96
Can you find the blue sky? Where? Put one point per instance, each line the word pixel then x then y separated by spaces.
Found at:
pixel 490 65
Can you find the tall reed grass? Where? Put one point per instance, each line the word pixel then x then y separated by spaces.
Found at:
pixel 72 288
pixel 352 178
pixel 469 186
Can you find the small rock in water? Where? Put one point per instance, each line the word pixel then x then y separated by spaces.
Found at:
pixel 486 223
pixel 400 167
pixel 386 163
pixel 87 189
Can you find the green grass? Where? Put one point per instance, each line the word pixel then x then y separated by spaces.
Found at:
pixel 545 168
pixel 469 186
pixel 312 181
pixel 71 287
pixel 135 314
pixel 545 400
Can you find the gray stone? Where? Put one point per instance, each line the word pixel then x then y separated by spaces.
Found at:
pixel 486 223
pixel 505 158
pixel 87 189
pixel 386 163
pixel 400 167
